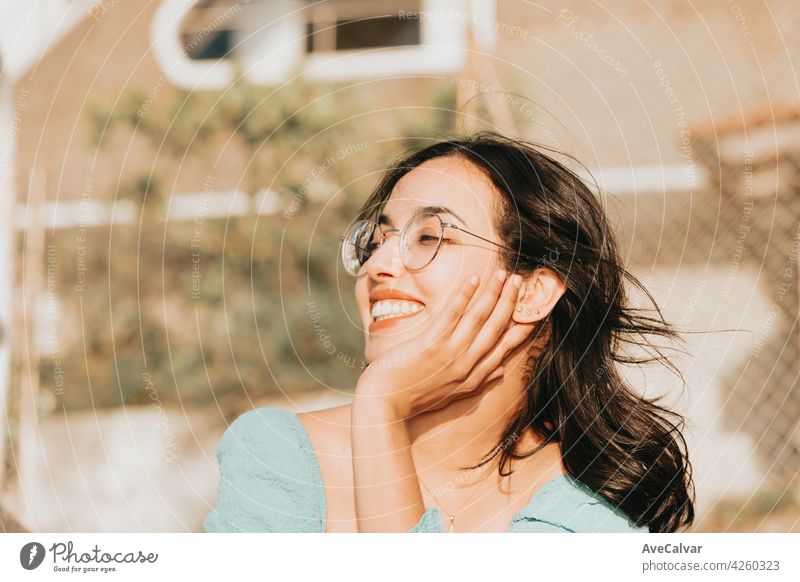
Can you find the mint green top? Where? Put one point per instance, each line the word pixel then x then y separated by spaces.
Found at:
pixel 270 481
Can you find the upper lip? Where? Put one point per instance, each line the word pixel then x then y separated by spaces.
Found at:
pixel 379 294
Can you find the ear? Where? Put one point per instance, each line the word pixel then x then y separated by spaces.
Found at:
pixel 537 296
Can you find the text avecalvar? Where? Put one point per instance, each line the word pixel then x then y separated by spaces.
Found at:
pixel 671 549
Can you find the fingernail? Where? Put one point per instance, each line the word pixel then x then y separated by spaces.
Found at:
pixel 517 281
pixel 501 274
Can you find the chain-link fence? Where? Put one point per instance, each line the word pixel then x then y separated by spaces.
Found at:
pixel 743 224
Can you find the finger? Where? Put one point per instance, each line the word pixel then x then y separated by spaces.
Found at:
pixel 473 383
pixel 496 375
pixel 473 320
pixel 443 325
pixel 497 322
pixel 513 338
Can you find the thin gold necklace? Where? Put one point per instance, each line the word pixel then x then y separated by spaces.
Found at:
pixel 450 516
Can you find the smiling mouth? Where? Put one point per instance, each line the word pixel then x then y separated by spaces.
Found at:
pixel 390 309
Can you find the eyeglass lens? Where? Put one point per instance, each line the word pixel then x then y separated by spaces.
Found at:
pixel 419 242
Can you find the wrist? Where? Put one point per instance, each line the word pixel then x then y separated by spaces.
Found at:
pixel 380 405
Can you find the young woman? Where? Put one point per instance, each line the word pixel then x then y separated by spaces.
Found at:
pixel 494 312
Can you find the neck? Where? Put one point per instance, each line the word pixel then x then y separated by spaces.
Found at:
pixel 462 432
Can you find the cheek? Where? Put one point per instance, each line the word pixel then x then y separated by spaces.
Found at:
pixel 455 270
pixel 362 298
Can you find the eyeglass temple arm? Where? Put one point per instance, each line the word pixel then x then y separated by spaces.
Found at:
pixel 479 236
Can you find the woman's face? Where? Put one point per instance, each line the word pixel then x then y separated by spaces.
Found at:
pixel 452 183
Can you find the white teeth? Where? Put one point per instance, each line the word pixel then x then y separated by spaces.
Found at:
pixel 393 308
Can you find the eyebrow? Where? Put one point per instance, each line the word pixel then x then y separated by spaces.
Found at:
pixel 384 219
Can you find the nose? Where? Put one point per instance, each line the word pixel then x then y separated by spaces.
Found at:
pixel 386 262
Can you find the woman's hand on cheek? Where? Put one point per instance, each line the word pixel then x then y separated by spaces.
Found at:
pixel 462 349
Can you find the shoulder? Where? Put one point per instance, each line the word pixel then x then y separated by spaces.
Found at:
pixel 259 430
pixel 264 439
pixel 565 504
pixel 328 429
pixel 268 478
pixel 328 432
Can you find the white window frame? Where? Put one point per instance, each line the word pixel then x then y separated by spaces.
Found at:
pixel 442 48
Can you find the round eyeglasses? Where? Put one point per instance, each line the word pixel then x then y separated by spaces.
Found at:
pixel 420 241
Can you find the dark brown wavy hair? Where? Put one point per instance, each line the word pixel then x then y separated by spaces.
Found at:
pixel 625 447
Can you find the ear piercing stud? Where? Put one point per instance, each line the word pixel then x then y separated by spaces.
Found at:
pixel 527 311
